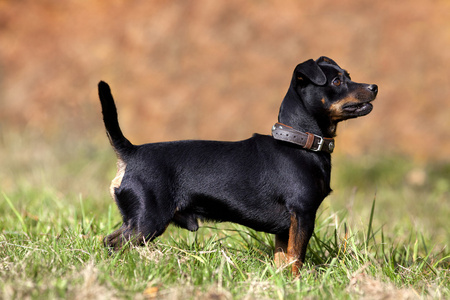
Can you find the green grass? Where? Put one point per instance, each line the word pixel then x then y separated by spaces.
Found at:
pixel 382 233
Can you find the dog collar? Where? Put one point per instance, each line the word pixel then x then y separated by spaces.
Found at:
pixel 304 139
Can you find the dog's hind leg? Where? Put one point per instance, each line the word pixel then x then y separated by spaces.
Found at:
pixel 143 220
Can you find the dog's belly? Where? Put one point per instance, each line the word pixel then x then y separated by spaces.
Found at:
pixel 265 215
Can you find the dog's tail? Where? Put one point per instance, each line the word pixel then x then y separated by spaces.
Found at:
pixel 121 145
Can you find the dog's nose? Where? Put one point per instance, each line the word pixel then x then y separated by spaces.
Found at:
pixel 373 88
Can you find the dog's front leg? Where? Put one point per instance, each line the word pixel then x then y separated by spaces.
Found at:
pixel 281 246
pixel 300 231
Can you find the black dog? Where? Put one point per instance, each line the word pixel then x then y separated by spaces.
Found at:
pixel 272 183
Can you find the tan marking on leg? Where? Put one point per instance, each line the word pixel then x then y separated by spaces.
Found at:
pixel 280 256
pixel 115 183
pixel 294 246
pixel 297 244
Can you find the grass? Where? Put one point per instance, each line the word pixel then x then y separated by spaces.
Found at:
pixel 386 239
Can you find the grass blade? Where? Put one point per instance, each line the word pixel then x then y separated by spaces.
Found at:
pixel 372 211
pixel 24 227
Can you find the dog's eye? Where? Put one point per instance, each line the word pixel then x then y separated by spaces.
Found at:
pixel 336 82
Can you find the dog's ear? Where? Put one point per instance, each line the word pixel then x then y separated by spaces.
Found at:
pixel 326 60
pixel 310 70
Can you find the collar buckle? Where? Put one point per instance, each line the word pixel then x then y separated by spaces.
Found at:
pixel 319 145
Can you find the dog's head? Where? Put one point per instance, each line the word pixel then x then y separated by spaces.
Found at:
pixel 328 89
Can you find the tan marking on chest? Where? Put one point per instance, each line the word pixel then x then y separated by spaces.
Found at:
pixel 115 183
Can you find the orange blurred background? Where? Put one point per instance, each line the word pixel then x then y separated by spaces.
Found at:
pixel 220 69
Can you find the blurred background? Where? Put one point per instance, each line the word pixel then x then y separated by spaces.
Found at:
pixel 219 70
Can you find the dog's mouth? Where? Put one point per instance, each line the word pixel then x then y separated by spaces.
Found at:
pixel 357 109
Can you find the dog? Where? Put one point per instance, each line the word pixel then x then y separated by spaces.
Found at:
pixel 271 183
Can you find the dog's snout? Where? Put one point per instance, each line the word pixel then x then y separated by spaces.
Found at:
pixel 373 88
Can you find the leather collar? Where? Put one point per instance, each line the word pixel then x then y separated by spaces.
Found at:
pixel 304 139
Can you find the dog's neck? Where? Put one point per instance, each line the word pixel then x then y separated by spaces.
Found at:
pixel 294 113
